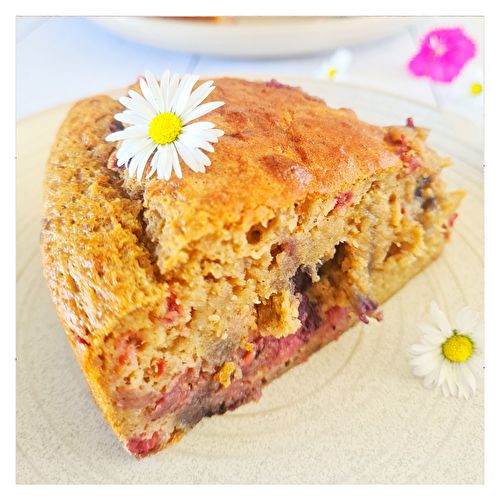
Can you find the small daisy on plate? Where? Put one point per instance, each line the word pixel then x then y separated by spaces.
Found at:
pixel 158 131
pixel 450 358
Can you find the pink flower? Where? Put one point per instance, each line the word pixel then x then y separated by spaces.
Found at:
pixel 443 53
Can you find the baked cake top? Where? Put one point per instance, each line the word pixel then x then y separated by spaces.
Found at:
pixel 279 146
pixel 114 242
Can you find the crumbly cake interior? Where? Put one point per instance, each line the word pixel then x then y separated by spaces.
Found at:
pixel 346 252
pixel 223 313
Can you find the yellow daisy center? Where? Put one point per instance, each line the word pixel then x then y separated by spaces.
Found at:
pixel 457 348
pixel 476 88
pixel 331 73
pixel 165 128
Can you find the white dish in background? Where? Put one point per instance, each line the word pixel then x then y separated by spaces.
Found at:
pixel 252 37
pixel 353 414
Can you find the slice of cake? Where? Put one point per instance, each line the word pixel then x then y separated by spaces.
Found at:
pixel 183 298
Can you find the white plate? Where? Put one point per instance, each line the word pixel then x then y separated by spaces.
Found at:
pixel 353 414
pixel 246 37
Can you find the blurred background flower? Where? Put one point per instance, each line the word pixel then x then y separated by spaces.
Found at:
pixel 469 86
pixel 442 55
pixel 336 67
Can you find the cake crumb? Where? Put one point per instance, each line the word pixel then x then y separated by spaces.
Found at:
pixel 176 436
pixel 224 375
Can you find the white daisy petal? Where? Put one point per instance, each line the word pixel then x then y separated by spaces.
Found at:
pixel 147 94
pixel 198 96
pixel 203 90
pixel 169 91
pixel 195 127
pixel 153 166
pixel 463 387
pixel 428 357
pixel 144 160
pixel 431 331
pixel 207 135
pixel 165 79
pixel 192 141
pixel 175 162
pixel 476 366
pixel 460 376
pixel 183 93
pixel 477 337
pixel 179 92
pixel 476 371
pixel 123 161
pixel 421 370
pixel 452 385
pixel 416 349
pixel 201 110
pixel 115 136
pixel 165 163
pixel 466 321
pixel 132 119
pixel 127 133
pixel 469 377
pixel 187 155
pixel 139 100
pixel 440 319
pixel 142 108
pixel 430 380
pixel 132 147
pixel 201 158
pixel 157 162
pixel 137 161
pixel 217 133
pixel 443 370
pixel 164 90
pixel 155 91
pixel 132 166
pixel 478 346
pixel 126 156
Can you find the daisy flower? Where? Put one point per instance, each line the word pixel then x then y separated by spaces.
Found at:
pixel 450 358
pixel 158 131
pixel 469 86
pixel 337 65
pixel 442 55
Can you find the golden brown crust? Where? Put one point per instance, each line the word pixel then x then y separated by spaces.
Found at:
pixel 279 147
pixel 91 227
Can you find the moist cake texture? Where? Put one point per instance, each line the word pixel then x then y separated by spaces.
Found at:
pixel 183 298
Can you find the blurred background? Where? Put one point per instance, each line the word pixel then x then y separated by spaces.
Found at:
pixel 61 59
